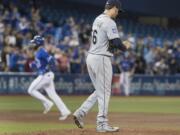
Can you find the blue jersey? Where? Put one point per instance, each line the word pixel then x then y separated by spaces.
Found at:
pixel 43 62
pixel 126 65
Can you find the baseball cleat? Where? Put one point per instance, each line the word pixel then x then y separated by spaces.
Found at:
pixel 106 128
pixel 65 116
pixel 78 120
pixel 48 107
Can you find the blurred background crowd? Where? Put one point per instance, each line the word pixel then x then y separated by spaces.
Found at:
pixel 155 49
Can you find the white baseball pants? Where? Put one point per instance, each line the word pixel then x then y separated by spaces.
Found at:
pixel 125 82
pixel 46 82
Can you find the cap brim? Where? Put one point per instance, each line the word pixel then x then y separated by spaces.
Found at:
pixel 32 41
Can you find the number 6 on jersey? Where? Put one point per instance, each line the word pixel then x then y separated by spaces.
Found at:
pixel 94 37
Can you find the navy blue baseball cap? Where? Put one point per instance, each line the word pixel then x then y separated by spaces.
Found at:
pixel 116 3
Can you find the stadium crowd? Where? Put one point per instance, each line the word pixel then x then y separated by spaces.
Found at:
pixel 70 41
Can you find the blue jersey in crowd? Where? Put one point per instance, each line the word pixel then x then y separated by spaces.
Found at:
pixel 43 62
pixel 126 65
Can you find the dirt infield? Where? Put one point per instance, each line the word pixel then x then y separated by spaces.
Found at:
pixel 129 123
pixel 93 132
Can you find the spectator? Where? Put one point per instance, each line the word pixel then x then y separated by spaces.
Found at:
pixel 71 40
pixel 75 63
pixel 150 59
pixel 12 59
pixel 63 62
pixel 160 67
pixel 29 59
pixel 140 65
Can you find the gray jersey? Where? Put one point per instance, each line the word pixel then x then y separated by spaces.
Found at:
pixel 104 29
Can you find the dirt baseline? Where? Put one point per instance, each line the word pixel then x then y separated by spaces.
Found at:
pixel 129 123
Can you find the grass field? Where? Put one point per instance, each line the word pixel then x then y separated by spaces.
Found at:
pixel 142 115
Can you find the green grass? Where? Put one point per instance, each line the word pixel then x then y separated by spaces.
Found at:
pixel 117 104
pixel 146 105
pixel 11 127
pixel 154 105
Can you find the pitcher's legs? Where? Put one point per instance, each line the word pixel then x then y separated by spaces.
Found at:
pixel 104 79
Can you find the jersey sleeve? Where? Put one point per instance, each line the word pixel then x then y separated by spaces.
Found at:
pixel 33 65
pixel 112 31
pixel 50 59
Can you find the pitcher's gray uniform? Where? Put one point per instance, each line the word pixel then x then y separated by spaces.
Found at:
pixel 99 63
pixel 105 39
pixel 99 66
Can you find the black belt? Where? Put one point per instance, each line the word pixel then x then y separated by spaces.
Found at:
pixel 100 54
